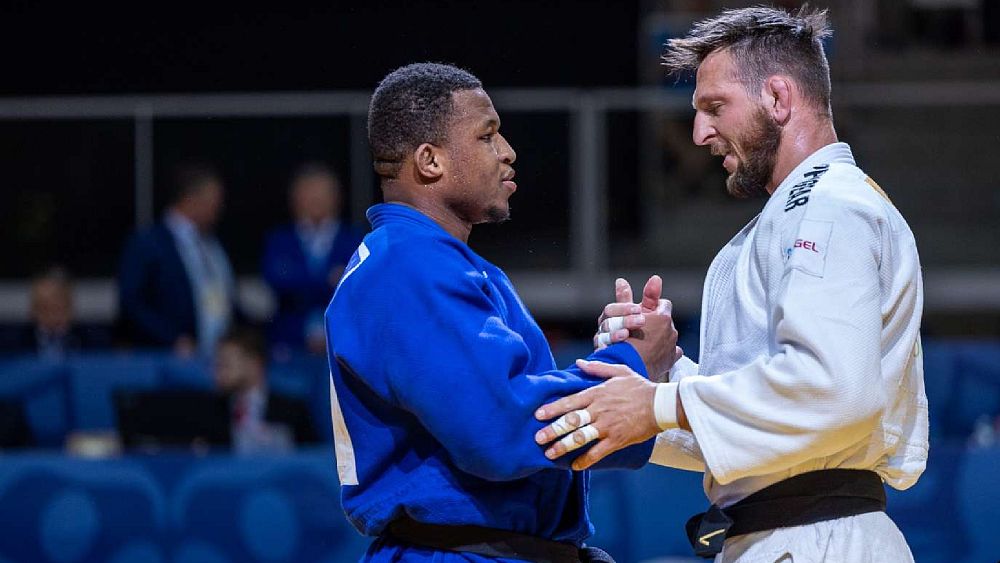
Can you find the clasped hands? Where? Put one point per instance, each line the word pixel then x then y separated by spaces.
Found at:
pixel 618 412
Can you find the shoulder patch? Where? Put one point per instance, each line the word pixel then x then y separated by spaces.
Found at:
pixel 799 194
pixel 360 255
pixel 808 253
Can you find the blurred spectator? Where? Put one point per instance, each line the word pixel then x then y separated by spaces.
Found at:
pixel 261 420
pixel 176 284
pixel 52 333
pixel 304 261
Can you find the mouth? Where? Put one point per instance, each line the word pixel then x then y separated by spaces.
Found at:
pixel 728 160
pixel 729 163
pixel 508 181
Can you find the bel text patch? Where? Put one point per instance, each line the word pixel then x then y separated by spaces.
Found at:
pixel 809 249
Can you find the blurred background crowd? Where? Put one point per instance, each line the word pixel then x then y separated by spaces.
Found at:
pixel 182 189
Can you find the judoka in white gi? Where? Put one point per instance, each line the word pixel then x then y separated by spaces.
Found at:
pixel 810 349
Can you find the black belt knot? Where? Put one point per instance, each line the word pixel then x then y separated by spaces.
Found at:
pixel 808 498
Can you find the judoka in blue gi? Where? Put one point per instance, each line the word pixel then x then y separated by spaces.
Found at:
pixel 436 365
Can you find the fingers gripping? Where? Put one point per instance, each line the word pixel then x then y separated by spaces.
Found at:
pixel 613 324
pixel 571 421
pixel 576 440
pixel 602 340
pixel 618 310
pixel 651 293
pixel 665 307
pixel 623 291
pixel 601 450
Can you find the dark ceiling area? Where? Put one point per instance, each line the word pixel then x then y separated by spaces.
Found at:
pixel 58 50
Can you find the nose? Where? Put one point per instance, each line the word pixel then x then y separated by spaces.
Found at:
pixel 506 152
pixel 703 131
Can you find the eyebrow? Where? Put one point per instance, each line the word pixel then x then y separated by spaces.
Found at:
pixel 705 98
pixel 492 123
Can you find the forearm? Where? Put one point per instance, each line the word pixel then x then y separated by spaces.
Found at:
pixel 770 416
pixel 516 457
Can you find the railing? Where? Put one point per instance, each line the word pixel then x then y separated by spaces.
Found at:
pixel 582 287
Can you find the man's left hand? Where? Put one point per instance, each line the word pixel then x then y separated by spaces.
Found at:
pixel 618 413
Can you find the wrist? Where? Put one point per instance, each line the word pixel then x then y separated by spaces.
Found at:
pixel 665 406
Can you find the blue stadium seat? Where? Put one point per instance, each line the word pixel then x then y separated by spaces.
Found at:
pixel 640 515
pixel 139 551
pixel 927 513
pixel 662 499
pixel 974 389
pixel 42 389
pixel 94 379
pixel 609 511
pixel 306 377
pixel 68 511
pixel 186 373
pixel 266 509
pixel 978 488
pixel 299 375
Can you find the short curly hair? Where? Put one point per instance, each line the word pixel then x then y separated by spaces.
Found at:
pixel 762 41
pixel 412 105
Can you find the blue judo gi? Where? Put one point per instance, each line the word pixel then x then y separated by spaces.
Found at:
pixel 437 368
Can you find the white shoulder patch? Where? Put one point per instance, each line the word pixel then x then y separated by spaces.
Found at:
pixel 809 249
pixel 359 258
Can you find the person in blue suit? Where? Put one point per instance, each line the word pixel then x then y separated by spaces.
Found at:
pixel 436 365
pixel 176 285
pixel 53 334
pixel 304 261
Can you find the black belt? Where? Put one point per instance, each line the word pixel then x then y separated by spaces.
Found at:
pixel 488 542
pixel 803 499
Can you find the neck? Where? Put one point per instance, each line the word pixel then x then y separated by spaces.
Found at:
pixel 316 222
pixel 188 213
pixel 797 143
pixel 250 387
pixel 433 208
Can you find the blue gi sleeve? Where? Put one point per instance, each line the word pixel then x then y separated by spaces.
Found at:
pixel 437 345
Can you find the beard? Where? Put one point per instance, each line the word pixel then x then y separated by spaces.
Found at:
pixel 760 147
pixel 496 214
pixel 477 212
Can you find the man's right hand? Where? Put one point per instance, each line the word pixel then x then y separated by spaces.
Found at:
pixel 656 341
pixel 651 332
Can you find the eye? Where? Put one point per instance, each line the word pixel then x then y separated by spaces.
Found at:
pixel 487 137
pixel 713 110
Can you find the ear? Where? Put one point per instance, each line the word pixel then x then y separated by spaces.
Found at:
pixel 779 95
pixel 428 160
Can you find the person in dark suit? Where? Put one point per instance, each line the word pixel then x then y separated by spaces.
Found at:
pixel 303 261
pixel 261 419
pixel 176 285
pixel 53 333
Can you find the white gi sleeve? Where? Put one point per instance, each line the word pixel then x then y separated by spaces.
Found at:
pixel 676 447
pixel 683 368
pixel 818 391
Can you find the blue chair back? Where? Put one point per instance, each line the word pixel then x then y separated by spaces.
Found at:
pixel 42 389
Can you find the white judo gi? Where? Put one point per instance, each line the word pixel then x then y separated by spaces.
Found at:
pixel 810 359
